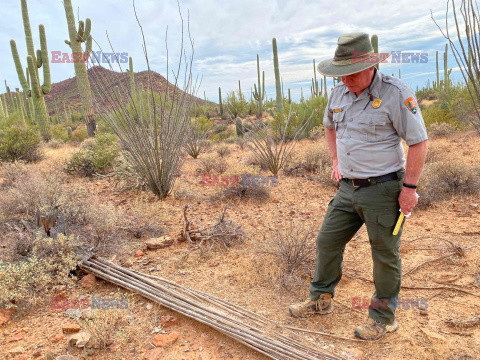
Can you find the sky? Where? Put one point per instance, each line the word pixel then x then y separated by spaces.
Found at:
pixel 228 35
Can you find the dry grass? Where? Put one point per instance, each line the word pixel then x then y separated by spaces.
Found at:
pixel 255 193
pixel 293 250
pixel 437 130
pixel 223 150
pixel 212 164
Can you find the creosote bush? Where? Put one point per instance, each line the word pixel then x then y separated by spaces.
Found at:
pixel 212 164
pixel 20 143
pixel 96 156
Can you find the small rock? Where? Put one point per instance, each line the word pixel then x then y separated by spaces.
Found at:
pixel 71 328
pixel 57 338
pixel 66 357
pixel 354 353
pixel 15 337
pixel 424 312
pixel 50 356
pixel 159 243
pixel 149 306
pixel 475 206
pixel 80 339
pixel 155 354
pixel 6 315
pixel 139 253
pixel 162 340
pixel 432 334
pixel 168 320
pixel 16 351
pixel 37 353
pixel 88 281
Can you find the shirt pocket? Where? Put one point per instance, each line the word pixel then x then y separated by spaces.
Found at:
pixel 373 127
pixel 339 120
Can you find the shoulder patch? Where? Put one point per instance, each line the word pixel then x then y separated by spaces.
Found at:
pixel 411 105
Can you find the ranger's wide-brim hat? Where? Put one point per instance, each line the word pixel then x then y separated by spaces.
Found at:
pixel 354 53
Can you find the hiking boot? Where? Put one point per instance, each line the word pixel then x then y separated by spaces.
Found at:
pixel 373 330
pixel 323 305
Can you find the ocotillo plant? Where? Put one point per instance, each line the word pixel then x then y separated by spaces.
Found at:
pixel 374 40
pixel 220 102
pixel 77 37
pixel 259 92
pixel 34 62
pixel 278 86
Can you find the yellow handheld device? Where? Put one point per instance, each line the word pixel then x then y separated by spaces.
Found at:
pixel 399 223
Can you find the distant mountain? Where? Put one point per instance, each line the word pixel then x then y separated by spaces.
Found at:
pixel 66 91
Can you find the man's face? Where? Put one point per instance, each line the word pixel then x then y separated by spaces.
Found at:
pixel 358 81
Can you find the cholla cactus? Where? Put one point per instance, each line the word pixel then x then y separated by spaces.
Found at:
pixel 77 37
pixel 32 86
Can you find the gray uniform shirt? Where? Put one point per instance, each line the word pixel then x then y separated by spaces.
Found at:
pixel 369 131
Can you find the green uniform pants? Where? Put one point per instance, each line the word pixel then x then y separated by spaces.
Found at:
pixel 377 206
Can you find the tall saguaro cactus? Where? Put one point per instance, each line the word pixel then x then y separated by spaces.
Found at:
pixel 438 71
pixel 77 37
pixel 259 92
pixel 278 85
pixel 31 83
pixel 220 102
pixel 374 41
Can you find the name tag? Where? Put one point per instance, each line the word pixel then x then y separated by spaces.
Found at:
pixel 337 110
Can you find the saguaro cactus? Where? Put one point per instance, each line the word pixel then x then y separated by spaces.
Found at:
pixel 220 102
pixel 32 86
pixel 438 71
pixel 314 90
pixel 446 72
pixel 239 127
pixel 259 92
pixel 77 37
pixel 133 91
pixel 278 86
pixel 374 41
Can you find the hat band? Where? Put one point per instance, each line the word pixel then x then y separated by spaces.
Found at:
pixel 356 58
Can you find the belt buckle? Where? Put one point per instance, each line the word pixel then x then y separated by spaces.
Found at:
pixel 353 183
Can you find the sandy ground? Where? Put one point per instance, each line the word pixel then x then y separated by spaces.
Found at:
pixel 246 277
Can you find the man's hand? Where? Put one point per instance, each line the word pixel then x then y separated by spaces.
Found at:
pixel 335 172
pixel 408 200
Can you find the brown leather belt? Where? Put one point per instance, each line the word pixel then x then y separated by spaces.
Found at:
pixel 372 180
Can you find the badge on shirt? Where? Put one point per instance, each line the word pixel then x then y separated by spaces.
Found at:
pixel 376 103
pixel 411 105
pixel 337 110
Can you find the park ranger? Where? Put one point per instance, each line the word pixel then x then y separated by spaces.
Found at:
pixel 366 117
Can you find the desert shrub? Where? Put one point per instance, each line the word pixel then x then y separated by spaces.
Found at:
pixel 229 133
pixel 434 154
pixel 242 168
pixel 79 134
pixel 223 150
pixel 211 163
pixel 236 104
pixel 442 180
pixel 240 192
pixel 316 132
pixel 437 114
pixel 293 249
pixel 96 156
pixel 87 144
pixel 438 129
pixel 59 132
pixel 198 131
pixel 241 143
pixel 55 144
pixel 20 143
pixel 48 264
